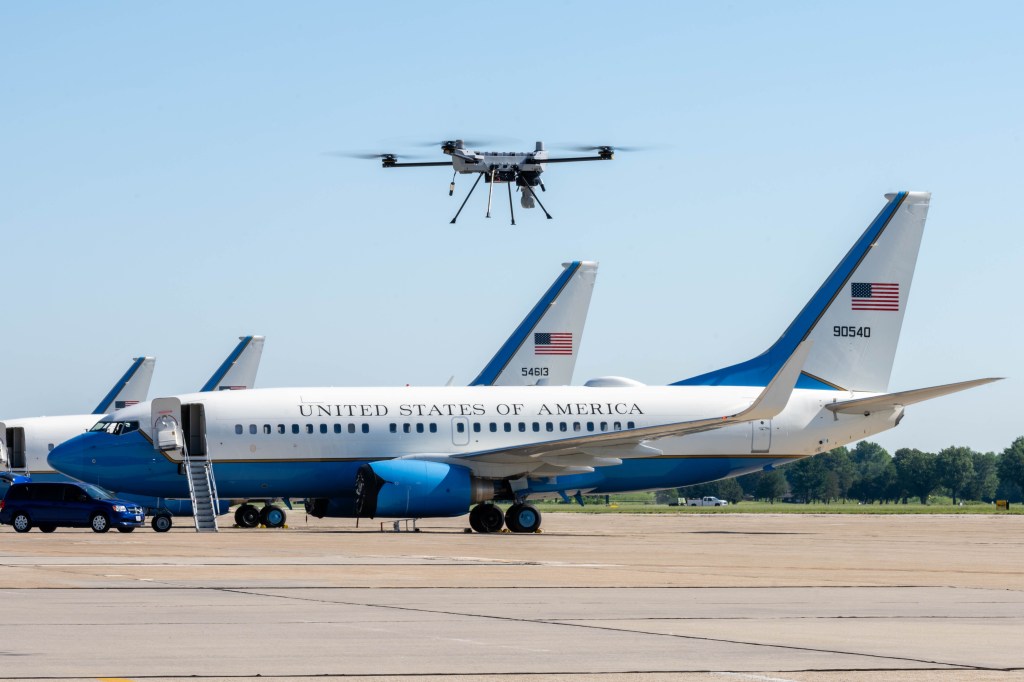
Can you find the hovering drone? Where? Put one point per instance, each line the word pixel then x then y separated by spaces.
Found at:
pixel 523 169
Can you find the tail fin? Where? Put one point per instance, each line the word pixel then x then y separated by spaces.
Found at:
pixel 238 371
pixel 543 348
pixel 129 389
pixel 855 317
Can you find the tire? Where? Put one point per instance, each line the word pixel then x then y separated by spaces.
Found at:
pixel 523 518
pixel 47 527
pixel 21 522
pixel 273 517
pixel 491 518
pixel 247 516
pixel 161 523
pixel 474 519
pixel 99 523
pixel 125 529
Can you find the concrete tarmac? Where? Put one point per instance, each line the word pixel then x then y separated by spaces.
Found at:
pixel 606 597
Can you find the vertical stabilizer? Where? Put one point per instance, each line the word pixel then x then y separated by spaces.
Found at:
pixel 129 389
pixel 543 348
pixel 238 371
pixel 855 317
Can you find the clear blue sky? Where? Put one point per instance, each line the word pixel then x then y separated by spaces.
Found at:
pixel 165 187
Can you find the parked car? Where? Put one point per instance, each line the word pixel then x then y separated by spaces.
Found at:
pixel 708 501
pixel 74 505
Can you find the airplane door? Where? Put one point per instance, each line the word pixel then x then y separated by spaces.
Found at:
pixel 460 431
pixel 761 435
pixel 165 420
pixel 5 463
pixel 14 447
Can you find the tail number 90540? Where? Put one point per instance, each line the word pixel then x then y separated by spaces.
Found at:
pixel 864 332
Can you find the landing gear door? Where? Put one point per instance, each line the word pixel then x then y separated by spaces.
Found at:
pixel 166 424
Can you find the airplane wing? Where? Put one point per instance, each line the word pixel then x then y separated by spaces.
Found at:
pixel 130 388
pixel 892 401
pixel 543 348
pixel 238 371
pixel 582 453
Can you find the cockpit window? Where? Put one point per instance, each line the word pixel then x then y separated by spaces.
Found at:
pixel 116 428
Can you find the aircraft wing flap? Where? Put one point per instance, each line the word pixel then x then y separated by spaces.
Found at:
pixel 771 401
pixel 892 401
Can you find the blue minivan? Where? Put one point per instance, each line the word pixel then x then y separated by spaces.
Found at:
pixel 74 505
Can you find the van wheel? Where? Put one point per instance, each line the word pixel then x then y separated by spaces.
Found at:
pixel 99 523
pixel 47 527
pixel 127 529
pixel 161 523
pixel 21 522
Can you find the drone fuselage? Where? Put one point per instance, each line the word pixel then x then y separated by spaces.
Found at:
pixel 500 166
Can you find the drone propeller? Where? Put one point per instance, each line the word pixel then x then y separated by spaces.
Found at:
pixel 462 143
pixel 605 148
pixel 365 155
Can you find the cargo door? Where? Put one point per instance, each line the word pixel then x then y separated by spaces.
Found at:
pixel 761 436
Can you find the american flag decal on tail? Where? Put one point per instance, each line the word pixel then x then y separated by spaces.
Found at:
pixel 552 343
pixel 874 296
pixel 121 404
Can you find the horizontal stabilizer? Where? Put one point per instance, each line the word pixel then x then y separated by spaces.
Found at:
pixel 892 401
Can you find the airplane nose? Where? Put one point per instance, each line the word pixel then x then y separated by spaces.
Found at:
pixel 71 456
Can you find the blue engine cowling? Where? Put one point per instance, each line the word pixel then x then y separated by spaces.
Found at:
pixel 415 488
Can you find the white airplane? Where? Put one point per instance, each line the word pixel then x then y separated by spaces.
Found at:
pixel 421 452
pixel 25 443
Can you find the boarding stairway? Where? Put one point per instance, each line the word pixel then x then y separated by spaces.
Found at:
pixel 203 490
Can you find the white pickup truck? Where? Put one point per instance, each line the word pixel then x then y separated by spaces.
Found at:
pixel 706 502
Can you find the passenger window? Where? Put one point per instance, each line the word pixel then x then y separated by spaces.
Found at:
pixel 337 428
pixel 406 428
pixel 295 428
pixel 522 427
pixel 49 447
pixel 536 427
pixel 630 425
pixel 267 429
pixel 576 426
pixel 618 426
pixel 562 426
pixel 238 429
pixel 252 429
pixel 476 427
pixel 393 428
pixel 309 428
pixel 419 428
pixel 550 426
pixel 604 426
pixel 494 427
pixel 366 428
pixel 508 427
pixel 281 429
pixel 323 428
pixel 590 426
pixel 351 428
pixel 433 427
pixel 460 427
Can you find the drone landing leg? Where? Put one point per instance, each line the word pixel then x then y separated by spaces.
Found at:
pixel 490 193
pixel 511 208
pixel 546 214
pixel 466 199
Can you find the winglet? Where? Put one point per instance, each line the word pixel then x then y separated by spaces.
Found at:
pixel 129 389
pixel 775 396
pixel 238 371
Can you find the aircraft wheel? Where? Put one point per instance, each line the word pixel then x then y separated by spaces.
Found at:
pixel 272 517
pixel 474 519
pixel 99 523
pixel 47 527
pixel 21 522
pixel 127 529
pixel 247 516
pixel 522 518
pixel 486 518
pixel 161 523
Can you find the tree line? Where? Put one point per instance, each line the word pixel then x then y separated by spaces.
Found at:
pixel 867 473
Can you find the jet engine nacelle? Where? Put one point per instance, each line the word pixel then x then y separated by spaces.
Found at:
pixel 416 488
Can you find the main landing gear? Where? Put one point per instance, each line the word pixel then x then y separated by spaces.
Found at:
pixel 520 518
pixel 248 516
